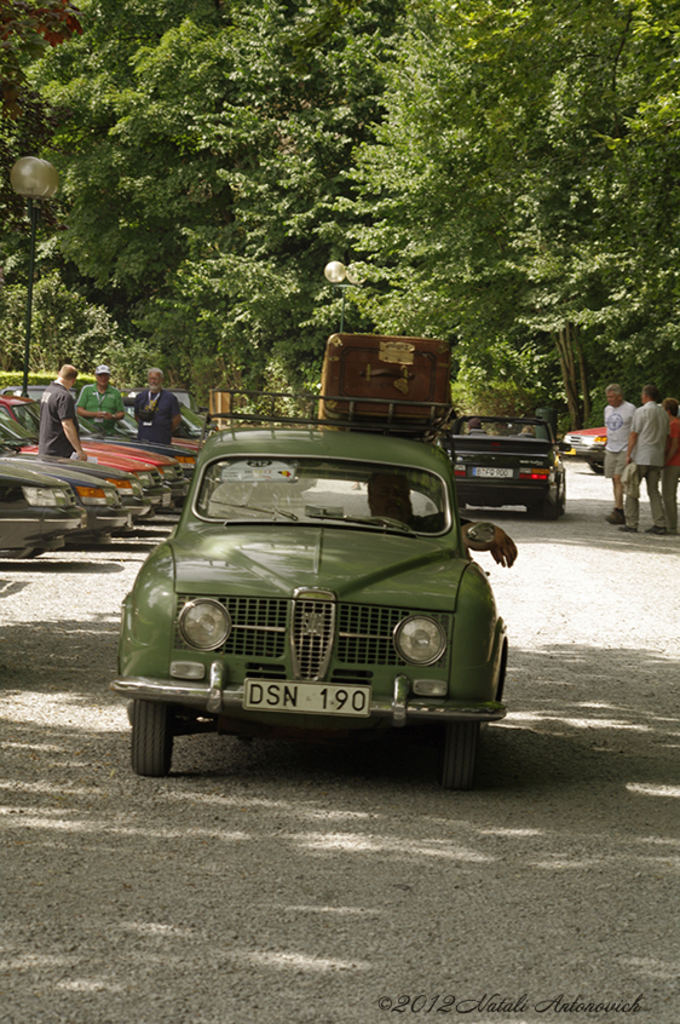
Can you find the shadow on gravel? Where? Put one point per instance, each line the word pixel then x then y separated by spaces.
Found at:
pixel 320 871
pixel 38 566
pixel 575 713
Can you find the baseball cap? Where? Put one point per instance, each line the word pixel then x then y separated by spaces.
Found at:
pixel 102 369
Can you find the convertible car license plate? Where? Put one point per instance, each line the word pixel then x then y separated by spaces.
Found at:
pixel 306 698
pixel 491 471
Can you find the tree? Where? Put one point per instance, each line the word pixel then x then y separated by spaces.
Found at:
pixel 65 329
pixel 525 184
pixel 204 150
pixel 27 30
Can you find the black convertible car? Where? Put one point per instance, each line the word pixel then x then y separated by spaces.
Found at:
pixel 507 461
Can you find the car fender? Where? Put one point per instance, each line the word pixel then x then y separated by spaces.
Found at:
pixel 146 637
pixel 479 637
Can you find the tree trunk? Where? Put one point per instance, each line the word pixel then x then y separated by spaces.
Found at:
pixel 582 373
pixel 573 365
pixel 566 355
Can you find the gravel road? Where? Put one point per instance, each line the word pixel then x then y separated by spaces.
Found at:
pixel 273 882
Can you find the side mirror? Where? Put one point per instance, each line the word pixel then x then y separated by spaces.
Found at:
pixel 480 533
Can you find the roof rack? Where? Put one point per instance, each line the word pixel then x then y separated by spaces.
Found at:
pixel 425 420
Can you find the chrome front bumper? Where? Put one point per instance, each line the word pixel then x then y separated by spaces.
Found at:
pixel 402 708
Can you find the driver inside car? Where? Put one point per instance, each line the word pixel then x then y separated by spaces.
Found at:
pixel 389 495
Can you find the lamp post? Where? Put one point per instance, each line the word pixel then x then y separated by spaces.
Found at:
pixel 339 275
pixel 35 180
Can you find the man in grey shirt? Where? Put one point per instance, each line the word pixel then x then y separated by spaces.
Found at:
pixel 647 448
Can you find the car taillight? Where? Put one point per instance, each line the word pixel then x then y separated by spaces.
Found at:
pixel 534 474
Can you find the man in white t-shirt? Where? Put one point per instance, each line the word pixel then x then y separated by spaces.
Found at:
pixel 618 417
pixel 647 449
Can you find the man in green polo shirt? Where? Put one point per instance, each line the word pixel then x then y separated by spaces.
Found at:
pixel 101 402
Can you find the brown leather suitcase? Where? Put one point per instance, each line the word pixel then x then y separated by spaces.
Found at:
pixel 405 374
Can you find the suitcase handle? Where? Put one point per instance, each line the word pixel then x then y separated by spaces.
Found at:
pixel 403 373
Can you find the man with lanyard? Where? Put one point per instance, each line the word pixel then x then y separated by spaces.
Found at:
pixel 156 411
pixel 101 402
pixel 58 424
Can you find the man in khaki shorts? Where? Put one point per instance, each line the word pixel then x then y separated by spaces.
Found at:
pixel 618 416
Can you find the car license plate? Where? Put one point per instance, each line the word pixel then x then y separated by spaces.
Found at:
pixel 491 471
pixel 307 698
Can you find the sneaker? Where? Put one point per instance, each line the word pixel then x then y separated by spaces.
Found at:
pixel 615 517
pixel 628 529
pixel 659 530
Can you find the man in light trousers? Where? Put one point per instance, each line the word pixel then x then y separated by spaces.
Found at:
pixel 618 418
pixel 647 449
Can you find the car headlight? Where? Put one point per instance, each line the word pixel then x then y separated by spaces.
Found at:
pixel 419 640
pixel 145 479
pixel 48 497
pixel 204 624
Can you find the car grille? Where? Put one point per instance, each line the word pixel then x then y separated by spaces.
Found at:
pixel 362 633
pixel 258 627
pixel 365 634
pixel 313 625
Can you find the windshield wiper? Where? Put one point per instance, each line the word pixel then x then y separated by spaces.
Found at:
pixel 265 511
pixel 383 521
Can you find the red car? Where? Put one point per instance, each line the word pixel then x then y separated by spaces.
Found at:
pixel 134 460
pixel 588 444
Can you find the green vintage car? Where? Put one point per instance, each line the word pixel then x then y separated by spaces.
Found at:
pixel 316 584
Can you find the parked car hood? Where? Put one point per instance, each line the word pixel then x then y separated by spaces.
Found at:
pixel 382 568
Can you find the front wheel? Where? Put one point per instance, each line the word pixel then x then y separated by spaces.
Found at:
pixel 152 738
pixel 459 755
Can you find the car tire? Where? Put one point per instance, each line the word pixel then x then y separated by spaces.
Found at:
pixel 562 500
pixel 550 509
pixel 152 738
pixel 597 467
pixel 459 755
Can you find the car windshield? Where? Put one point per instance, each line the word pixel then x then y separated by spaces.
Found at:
pixel 13 429
pixel 477 426
pixel 334 492
pixel 28 415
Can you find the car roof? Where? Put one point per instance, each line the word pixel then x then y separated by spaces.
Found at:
pixel 329 443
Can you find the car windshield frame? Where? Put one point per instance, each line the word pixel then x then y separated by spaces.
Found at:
pixel 332 492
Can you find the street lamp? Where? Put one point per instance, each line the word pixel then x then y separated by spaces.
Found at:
pixel 35 180
pixel 339 275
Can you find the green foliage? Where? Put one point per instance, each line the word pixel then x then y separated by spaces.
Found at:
pixel 525 182
pixel 65 328
pixel 15 379
pixel 505 176
pixel 26 31
pixel 505 380
pixel 204 148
